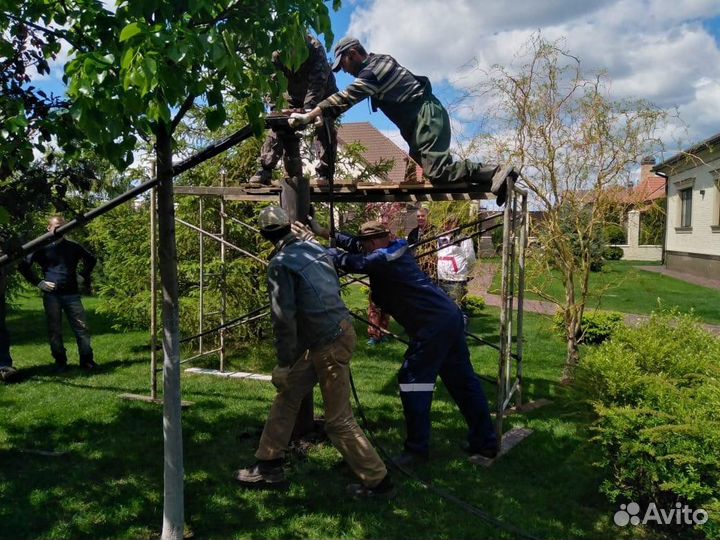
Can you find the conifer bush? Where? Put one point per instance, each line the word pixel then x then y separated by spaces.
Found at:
pixel 655 391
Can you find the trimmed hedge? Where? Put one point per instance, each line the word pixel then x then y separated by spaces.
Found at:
pixel 473 305
pixel 655 391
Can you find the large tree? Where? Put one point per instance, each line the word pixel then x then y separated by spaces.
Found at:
pixel 577 148
pixel 134 73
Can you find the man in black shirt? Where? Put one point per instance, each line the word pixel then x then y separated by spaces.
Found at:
pixel 59 262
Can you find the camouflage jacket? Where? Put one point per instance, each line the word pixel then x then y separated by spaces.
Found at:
pixel 313 81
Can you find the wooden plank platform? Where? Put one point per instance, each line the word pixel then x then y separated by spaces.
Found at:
pixel 510 440
pixel 229 374
pixel 343 192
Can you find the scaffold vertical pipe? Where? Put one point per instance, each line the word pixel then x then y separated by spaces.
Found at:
pixel 522 248
pixel 504 314
pixel 223 291
pixel 201 310
pixel 513 202
pixel 153 292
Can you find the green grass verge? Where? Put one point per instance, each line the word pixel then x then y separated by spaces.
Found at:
pixel 105 480
pixel 630 290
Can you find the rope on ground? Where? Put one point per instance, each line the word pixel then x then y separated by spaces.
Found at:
pixel 471 509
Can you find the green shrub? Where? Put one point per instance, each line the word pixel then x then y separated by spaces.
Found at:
pixel 595 327
pixel 497 239
pixel 655 390
pixel 614 233
pixel 612 253
pixel 473 305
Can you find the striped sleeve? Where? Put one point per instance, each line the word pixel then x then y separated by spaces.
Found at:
pixel 365 85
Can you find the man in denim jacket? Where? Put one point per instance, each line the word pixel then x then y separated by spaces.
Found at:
pixel 437 333
pixel 314 340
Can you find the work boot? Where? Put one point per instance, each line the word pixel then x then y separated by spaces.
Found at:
pixel 489 452
pixel 384 490
pixel 8 373
pixel 263 475
pixel 60 364
pixel 261 178
pixel 87 363
pixel 409 460
pixel 499 182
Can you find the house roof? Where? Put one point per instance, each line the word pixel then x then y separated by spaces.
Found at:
pixel 704 145
pixel 651 187
pixel 377 146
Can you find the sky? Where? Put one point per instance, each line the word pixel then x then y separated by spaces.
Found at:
pixel 666 51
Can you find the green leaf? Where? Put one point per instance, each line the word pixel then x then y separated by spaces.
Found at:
pixel 4 215
pixel 127 58
pixel 214 118
pixel 129 31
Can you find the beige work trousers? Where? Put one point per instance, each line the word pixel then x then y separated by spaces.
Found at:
pixel 330 366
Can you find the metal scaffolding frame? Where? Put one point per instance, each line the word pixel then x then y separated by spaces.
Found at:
pixel 515 236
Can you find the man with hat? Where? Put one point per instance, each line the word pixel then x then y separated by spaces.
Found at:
pixel 407 100
pixel 314 341
pixel 437 332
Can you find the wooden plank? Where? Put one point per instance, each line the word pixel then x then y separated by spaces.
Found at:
pixel 229 374
pixel 270 197
pixel 208 190
pixel 509 441
pixel 148 399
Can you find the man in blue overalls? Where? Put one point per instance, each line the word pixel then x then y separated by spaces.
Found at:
pixel 436 328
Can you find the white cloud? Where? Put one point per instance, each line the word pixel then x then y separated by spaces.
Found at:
pixel 653 49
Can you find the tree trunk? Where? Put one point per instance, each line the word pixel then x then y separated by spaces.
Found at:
pixel 173 509
pixel 572 317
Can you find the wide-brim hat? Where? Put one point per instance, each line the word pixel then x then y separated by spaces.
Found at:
pixel 342 46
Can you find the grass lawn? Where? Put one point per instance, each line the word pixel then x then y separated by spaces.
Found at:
pixel 104 478
pixel 631 290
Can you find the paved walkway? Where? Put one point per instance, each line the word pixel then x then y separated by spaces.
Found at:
pixel 485 272
pixel 689 278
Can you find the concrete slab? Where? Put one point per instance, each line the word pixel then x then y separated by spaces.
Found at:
pixel 510 439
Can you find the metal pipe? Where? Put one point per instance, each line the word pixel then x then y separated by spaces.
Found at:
pixel 201 239
pixel 79 221
pixel 223 289
pixel 153 294
pixel 224 242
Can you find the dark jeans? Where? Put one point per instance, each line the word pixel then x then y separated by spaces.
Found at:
pixel 5 358
pixel 71 304
pixel 441 350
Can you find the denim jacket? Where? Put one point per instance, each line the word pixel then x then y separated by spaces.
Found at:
pixel 305 301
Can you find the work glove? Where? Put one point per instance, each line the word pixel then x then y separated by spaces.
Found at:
pixel 46 286
pixel 317 229
pixel 280 376
pixel 297 120
pixel 302 231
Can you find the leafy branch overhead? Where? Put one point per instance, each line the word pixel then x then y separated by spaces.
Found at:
pixel 144 64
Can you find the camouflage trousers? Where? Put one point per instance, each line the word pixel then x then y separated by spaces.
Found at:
pixel 329 366
pixel 287 146
pixel 378 318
